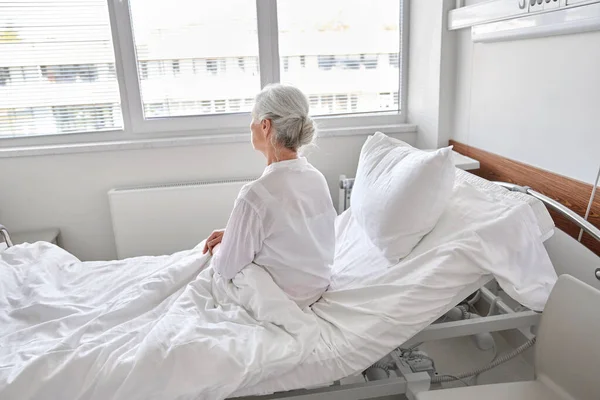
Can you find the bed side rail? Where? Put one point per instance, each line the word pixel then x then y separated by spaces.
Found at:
pixel 5 235
pixel 556 206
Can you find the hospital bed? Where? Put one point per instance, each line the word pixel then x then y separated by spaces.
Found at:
pixel 395 374
pixel 390 372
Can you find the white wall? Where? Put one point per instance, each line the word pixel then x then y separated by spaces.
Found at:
pixel 69 191
pixel 536 101
pixel 431 72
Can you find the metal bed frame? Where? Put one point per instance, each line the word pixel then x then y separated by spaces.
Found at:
pixel 5 235
pixel 500 318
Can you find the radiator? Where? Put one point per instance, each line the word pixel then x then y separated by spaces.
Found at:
pixel 168 218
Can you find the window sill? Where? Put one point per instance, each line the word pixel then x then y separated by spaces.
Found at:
pixel 185 141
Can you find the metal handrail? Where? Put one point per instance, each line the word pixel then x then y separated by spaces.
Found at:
pixel 5 235
pixel 569 214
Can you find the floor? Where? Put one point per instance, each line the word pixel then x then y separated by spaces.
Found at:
pixel 454 356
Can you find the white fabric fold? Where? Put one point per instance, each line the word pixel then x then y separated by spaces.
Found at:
pixel 143 328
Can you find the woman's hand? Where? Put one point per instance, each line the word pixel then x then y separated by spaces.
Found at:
pixel 213 240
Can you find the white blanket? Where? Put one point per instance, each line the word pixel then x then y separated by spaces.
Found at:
pixel 144 328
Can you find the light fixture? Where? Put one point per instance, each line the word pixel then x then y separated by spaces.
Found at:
pixel 560 22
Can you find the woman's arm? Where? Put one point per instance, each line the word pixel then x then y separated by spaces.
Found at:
pixel 242 240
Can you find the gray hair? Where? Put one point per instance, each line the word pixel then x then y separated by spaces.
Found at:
pixel 287 108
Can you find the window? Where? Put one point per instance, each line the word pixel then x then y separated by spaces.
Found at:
pixel 220 106
pixel 144 69
pixel 155 109
pixel 176 67
pixel 87 72
pixel 198 59
pixel 20 121
pixel 211 66
pixel 196 66
pixel 393 58
pixel 69 73
pixel 327 103
pixel 326 62
pixel 353 103
pixel 348 61
pixel 386 100
pixel 369 60
pixel 348 50
pixel 341 103
pixel 222 65
pixel 111 71
pixel 4 75
pixel 78 118
pixel 214 31
pixel 57 90
pixel 234 105
pixel 205 106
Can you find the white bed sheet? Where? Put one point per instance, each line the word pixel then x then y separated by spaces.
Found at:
pixel 142 328
pixel 373 307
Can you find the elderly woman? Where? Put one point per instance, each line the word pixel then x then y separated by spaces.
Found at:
pixel 283 221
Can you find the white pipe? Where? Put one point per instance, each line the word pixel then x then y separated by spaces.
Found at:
pixel 589 208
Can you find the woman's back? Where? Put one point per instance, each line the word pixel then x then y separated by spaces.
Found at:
pixel 292 198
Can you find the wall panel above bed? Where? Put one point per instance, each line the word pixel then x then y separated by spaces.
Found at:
pixel 572 193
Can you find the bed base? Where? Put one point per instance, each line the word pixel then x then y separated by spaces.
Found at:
pixel 409 383
pixel 501 318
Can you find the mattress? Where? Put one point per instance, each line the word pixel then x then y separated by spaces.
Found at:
pixel 373 306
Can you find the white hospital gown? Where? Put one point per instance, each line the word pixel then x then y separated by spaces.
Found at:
pixel 284 222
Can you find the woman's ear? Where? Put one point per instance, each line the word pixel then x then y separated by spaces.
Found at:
pixel 266 127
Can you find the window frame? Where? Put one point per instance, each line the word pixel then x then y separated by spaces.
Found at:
pixel 135 127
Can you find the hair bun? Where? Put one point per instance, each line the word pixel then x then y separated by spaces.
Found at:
pixel 307 131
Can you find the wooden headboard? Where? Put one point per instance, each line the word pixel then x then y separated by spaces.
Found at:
pixel 569 192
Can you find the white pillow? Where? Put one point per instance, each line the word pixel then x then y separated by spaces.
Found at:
pixel 400 192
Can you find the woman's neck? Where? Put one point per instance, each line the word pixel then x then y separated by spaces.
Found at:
pixel 281 154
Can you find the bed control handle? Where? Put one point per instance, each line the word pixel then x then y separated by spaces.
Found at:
pixel 6 236
pixel 569 214
pixel 597 273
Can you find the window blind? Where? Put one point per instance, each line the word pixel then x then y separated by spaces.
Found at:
pixel 196 57
pixel 57 68
pixel 346 56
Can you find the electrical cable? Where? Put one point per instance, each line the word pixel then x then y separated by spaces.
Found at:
pixel 499 360
pixel 454 378
pixel 494 355
pixel 475 299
